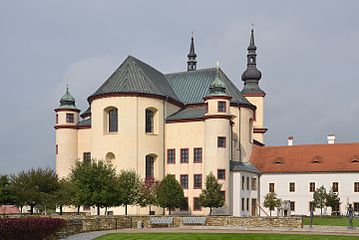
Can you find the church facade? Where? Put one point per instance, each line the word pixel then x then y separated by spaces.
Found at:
pixel 187 124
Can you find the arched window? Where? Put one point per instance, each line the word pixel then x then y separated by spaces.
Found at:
pixel 110 157
pixel 150 120
pixel 112 120
pixel 150 168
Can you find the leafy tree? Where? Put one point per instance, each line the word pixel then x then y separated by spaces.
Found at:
pixel 6 196
pixel 319 198
pixel 170 193
pixel 128 187
pixel 332 200
pixel 211 196
pixel 148 194
pixel 271 201
pixel 34 187
pixel 93 184
pixel 62 197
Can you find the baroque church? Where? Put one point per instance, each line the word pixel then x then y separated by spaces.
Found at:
pixel 194 122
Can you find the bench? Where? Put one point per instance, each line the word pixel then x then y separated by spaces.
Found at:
pixel 193 220
pixel 161 221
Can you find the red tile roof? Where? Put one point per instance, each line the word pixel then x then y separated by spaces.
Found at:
pixel 307 158
pixel 9 209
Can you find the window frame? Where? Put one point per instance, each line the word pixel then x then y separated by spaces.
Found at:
pixel 181 182
pixel 197 185
pixel 271 187
pixel 221 174
pixel 185 202
pixel 70 118
pixel 221 142
pixel 356 206
pixel 174 155
pixel 292 206
pixel 221 106
pixel 195 160
pixel 197 207
pixel 112 120
pixel 254 183
pixel 291 186
pixel 335 187
pixel 149 121
pixel 312 188
pixel 356 186
pixel 184 150
pixel 86 156
pixel 247 184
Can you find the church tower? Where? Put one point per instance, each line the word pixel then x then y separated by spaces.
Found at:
pixel 217 143
pixel 67 118
pixel 192 62
pixel 252 91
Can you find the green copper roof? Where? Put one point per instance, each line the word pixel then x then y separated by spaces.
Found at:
pixel 135 76
pixel 243 166
pixel 217 86
pixel 193 86
pixel 85 122
pixel 67 100
pixel 188 113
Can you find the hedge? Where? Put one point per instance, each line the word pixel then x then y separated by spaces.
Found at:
pixel 39 228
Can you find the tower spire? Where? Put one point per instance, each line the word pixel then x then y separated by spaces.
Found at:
pixel 251 75
pixel 192 62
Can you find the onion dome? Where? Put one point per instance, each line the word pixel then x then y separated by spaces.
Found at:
pixel 68 101
pixel 217 86
pixel 251 75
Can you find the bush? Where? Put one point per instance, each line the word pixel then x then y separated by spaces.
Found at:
pixel 29 228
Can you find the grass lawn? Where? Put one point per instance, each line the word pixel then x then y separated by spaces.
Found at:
pixel 330 221
pixel 217 236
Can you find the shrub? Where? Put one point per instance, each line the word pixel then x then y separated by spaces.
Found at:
pixel 29 228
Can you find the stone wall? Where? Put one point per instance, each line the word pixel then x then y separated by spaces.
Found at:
pixel 78 224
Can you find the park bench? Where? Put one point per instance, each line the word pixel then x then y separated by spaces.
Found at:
pixel 161 221
pixel 193 220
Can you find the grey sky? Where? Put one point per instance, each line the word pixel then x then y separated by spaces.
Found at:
pixel 307 52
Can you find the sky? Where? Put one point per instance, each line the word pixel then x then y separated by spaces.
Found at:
pixel 307 53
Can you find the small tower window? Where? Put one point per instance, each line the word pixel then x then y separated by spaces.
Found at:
pixel 69 117
pixel 113 120
pixel 57 118
pixel 221 142
pixel 206 107
pixel 222 106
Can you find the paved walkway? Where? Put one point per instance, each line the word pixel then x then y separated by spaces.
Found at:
pixel 316 230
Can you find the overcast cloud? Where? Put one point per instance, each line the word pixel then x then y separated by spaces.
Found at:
pixel 307 52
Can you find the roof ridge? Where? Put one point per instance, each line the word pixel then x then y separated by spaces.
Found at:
pixel 310 145
pixel 197 70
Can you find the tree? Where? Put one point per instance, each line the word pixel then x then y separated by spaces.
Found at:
pixel 128 187
pixel 319 198
pixel 34 187
pixel 211 196
pixel 62 197
pixel 6 196
pixel 148 194
pixel 271 201
pixel 332 200
pixel 93 184
pixel 170 193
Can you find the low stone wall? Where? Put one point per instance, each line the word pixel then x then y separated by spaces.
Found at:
pixel 77 224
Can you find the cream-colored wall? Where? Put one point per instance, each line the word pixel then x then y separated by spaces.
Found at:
pixel 186 135
pixel 84 142
pixel 259 121
pixel 235 113
pixel 246 143
pixel 66 140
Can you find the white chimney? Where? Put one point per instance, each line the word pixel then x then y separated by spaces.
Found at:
pixel 290 141
pixel 331 139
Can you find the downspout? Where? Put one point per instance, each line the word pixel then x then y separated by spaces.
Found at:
pixel 239 134
pixel 164 134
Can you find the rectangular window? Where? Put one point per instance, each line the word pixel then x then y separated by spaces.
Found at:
pixel 221 106
pixel 356 187
pixel 247 205
pixel 197 181
pixel 196 204
pixel 57 149
pixel 221 142
pixel 149 121
pixel 311 186
pixel 206 107
pixel 247 183
pixel 184 206
pixel 254 183
pixel 197 152
pixel 184 155
pixel 243 182
pixel 184 181
pixel 271 187
pixel 292 206
pixel 171 156
pixel 57 118
pixel 87 157
pixel 221 174
pixel 311 206
pixel 356 206
pixel 335 186
pixel 291 187
pixel 223 194
pixel 243 204
pixel 70 118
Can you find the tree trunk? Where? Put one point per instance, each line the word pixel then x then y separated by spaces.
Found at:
pixel 105 210
pixel 210 211
pixel 31 210
pixel 270 213
pixel 98 210
pixel 149 209
pixel 78 210
pixel 321 211
pixel 126 209
pixel 21 208
pixel 60 210
pixel 169 211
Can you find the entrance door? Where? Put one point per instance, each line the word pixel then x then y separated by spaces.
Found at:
pixel 254 207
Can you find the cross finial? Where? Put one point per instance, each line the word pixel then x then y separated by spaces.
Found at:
pixel 217 67
pixel 67 87
pixel 192 33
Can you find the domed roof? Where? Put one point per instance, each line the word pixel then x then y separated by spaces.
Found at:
pixel 251 73
pixel 217 86
pixel 67 100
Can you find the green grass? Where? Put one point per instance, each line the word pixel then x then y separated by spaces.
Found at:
pixel 330 221
pixel 218 236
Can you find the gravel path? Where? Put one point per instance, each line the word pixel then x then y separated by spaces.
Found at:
pixel 321 230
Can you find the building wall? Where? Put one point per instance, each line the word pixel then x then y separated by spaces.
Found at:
pixel 246 134
pixel 302 196
pixel 259 116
